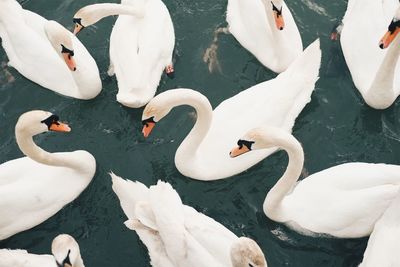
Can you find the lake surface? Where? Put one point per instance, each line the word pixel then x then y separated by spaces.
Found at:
pixel 335 127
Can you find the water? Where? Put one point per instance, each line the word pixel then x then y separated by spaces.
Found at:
pixel 336 127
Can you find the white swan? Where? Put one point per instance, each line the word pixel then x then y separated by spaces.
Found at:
pixel 34 188
pixel 141 46
pixel 375 72
pixel 383 244
pixel 202 155
pixel 65 250
pixel 267 29
pixel 343 201
pixel 177 235
pixel 46 53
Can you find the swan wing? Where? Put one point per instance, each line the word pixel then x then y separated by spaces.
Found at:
pixel 140 49
pixel 383 244
pixel 32 192
pixel 343 201
pixel 21 258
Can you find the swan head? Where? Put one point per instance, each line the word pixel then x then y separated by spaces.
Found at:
pixel 61 41
pixel 392 32
pixel 260 138
pixel 38 121
pixel 245 252
pixel 65 251
pixel 276 7
pixel 85 17
pixel 154 111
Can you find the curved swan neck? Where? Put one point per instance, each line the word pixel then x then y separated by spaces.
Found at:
pixel 96 12
pixel 203 113
pixel 381 93
pixel 288 180
pixel 31 150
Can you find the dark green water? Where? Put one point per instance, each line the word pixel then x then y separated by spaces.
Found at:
pixel 336 127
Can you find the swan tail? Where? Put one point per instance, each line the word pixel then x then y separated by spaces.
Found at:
pixel 210 55
pixel 307 64
pixel 168 211
pixel 129 193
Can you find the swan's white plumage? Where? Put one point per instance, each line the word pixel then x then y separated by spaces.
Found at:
pixel 140 49
pixel 275 102
pixel 29 50
pixel 182 236
pixel 248 22
pixel 31 191
pixel 364 24
pixel 343 201
pixel 383 244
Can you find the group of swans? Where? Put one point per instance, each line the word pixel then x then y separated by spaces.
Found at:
pixel 375 72
pixel 65 250
pixel 276 102
pixel 141 46
pixel 36 187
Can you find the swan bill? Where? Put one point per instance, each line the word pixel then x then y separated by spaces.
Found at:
pixel 169 70
pixel 59 127
pixel 148 125
pixel 237 151
pixel 390 35
pixel 69 60
pixel 78 25
pixel 279 22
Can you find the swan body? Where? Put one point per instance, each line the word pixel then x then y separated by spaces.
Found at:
pixel 177 235
pixel 383 244
pixel 35 187
pixel 141 46
pixel 30 42
pixel 252 23
pixel 278 102
pixel 343 201
pixel 375 72
pixel 60 247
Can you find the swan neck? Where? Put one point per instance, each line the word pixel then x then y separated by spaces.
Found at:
pixel 381 93
pixel 34 152
pixel 97 12
pixel 79 262
pixel 203 122
pixel 286 183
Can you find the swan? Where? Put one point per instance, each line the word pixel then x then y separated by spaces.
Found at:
pixel 278 102
pixel 141 46
pixel 383 244
pixel 46 53
pixel 65 252
pixel 35 187
pixel 177 235
pixel 266 29
pixel 342 201
pixel 375 72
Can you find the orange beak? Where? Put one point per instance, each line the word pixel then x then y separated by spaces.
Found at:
pixel 77 28
pixel 59 127
pixel 69 60
pixel 279 22
pixel 147 128
pixel 237 151
pixel 388 38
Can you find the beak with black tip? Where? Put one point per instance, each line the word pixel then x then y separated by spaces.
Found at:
pixel 244 146
pixel 148 125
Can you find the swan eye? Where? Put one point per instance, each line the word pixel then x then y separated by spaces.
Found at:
pixel 77 21
pixel 274 8
pixel 245 143
pixel 68 51
pixel 393 25
pixel 146 121
pixel 53 119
